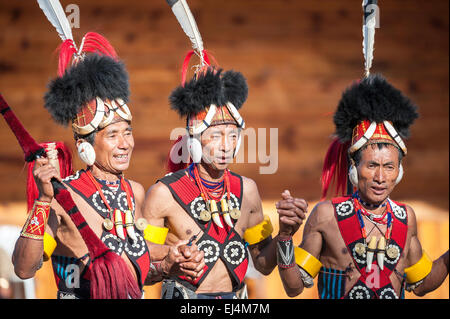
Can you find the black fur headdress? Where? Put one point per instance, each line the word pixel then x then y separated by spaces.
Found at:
pixel 209 87
pixel 94 76
pixel 373 99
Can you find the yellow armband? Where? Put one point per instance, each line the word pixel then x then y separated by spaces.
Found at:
pixel 308 262
pixel 258 233
pixel 155 234
pixel 419 270
pixel 49 246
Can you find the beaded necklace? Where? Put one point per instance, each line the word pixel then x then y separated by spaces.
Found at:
pixel 369 249
pixel 108 224
pixel 384 219
pixel 208 188
pixel 212 192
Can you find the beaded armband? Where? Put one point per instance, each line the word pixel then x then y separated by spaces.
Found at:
pixel 285 253
pixel 37 220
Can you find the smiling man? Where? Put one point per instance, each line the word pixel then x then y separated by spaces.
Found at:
pixel 365 246
pixel 90 94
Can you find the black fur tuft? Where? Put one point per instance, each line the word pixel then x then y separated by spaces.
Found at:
pixel 95 76
pixel 199 92
pixel 373 99
pixel 209 88
pixel 235 88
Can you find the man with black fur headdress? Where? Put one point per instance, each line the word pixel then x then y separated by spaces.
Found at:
pixel 218 209
pixel 366 243
pixel 205 202
pixel 100 251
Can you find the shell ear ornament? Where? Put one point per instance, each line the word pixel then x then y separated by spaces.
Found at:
pixel 400 174
pixel 86 153
pixel 238 145
pixel 353 175
pixel 195 149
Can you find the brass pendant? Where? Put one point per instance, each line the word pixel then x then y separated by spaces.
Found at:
pixel 108 224
pixel 235 213
pixel 141 224
pixel 360 249
pixel 392 252
pixel 205 216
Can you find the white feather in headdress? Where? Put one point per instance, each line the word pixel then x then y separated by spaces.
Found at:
pixel 369 24
pixel 57 17
pixel 184 16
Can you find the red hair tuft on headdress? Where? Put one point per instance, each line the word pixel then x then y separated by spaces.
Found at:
pixel 188 57
pixel 92 43
pixel 67 50
pixel 335 168
pixel 96 43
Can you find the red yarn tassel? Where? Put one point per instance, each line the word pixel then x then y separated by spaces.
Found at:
pixel 109 274
pixel 65 169
pixel 29 146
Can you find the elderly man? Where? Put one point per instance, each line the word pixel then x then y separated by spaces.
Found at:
pixel 99 251
pixel 206 203
pixel 217 208
pixel 365 245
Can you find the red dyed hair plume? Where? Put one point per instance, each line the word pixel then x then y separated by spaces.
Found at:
pixel 96 43
pixel 188 57
pixel 92 42
pixel 67 51
pixel 335 168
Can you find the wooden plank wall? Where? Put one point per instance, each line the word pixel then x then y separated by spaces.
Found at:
pixel 298 57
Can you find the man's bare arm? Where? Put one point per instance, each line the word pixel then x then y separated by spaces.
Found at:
pixel 312 243
pixel 28 252
pixel 177 259
pixel 263 253
pixel 434 280
pixel 439 270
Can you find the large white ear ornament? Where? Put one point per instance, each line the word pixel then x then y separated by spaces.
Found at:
pixel 86 153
